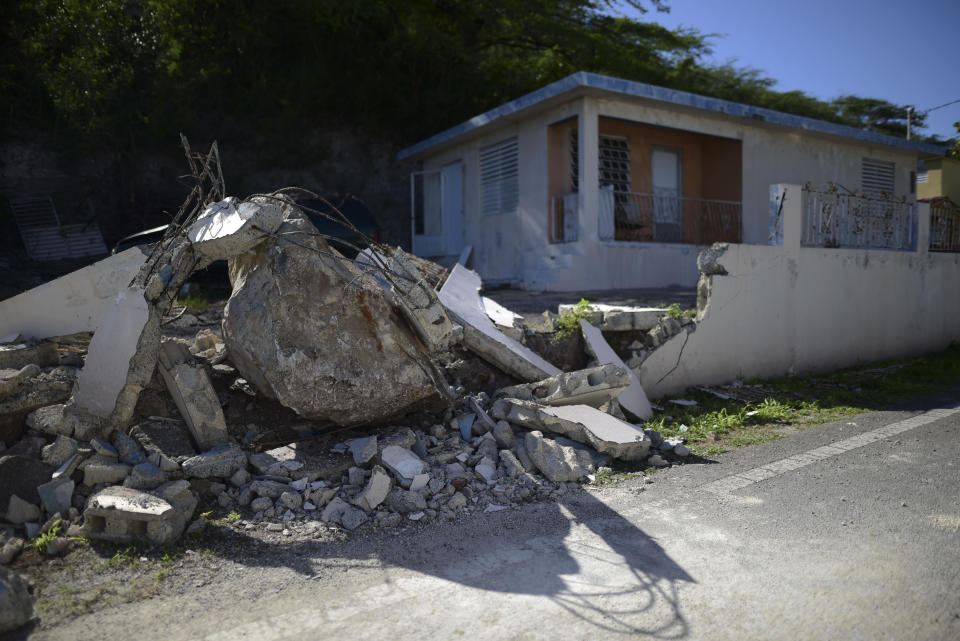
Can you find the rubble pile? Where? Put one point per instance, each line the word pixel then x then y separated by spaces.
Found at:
pixel 156 423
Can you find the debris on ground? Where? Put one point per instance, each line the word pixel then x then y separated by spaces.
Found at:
pixel 327 393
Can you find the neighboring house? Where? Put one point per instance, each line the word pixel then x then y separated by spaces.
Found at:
pixel 594 182
pixel 939 177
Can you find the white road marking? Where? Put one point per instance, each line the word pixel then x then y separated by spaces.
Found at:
pixel 740 480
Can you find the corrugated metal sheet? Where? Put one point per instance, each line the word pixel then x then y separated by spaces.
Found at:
pixel 45 238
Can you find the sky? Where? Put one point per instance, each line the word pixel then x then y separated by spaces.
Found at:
pixel 905 52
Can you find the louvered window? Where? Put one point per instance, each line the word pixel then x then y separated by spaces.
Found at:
pixel 878 177
pixel 922 176
pixel 499 182
pixel 615 163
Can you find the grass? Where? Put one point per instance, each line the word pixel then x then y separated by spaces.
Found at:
pixel 569 321
pixel 716 425
pixel 41 541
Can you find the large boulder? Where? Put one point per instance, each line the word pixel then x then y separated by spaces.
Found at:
pixel 312 331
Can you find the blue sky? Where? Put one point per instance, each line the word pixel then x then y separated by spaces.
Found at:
pixel 907 52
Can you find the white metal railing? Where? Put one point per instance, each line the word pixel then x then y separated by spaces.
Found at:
pixel 564 222
pixel 944 227
pixel 667 218
pixel 836 217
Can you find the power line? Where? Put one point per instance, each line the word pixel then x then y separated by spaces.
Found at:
pixel 946 104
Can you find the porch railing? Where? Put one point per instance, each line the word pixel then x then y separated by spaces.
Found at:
pixel 564 223
pixel 944 227
pixel 663 218
pixel 836 217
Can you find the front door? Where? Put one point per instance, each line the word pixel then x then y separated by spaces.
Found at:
pixel 667 219
pixel 452 208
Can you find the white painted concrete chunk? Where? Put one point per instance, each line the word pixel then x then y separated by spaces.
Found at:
pixel 402 462
pixel 633 399
pixel 226 229
pixel 500 314
pixel 461 296
pixel 105 371
pixel 72 303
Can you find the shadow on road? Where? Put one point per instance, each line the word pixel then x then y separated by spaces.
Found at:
pixel 583 556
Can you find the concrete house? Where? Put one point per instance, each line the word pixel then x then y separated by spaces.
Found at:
pixel 595 182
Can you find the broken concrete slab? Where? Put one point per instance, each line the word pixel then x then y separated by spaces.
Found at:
pixel 319 335
pixel 145 476
pixel 582 423
pixel 122 514
pixel 558 463
pixel 220 462
pixel 406 501
pixel 363 449
pixel 72 303
pixel 128 450
pixel 12 379
pixel 118 338
pixel 169 438
pixel 620 318
pixel 461 296
pixel 419 304
pixel 97 473
pixel 633 399
pixel 193 394
pixel 499 314
pixel 594 386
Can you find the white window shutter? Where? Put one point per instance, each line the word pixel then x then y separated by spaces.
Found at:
pixel 499 178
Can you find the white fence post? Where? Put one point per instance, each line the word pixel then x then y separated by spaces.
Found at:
pixel 589 167
pixel 923 228
pixel 786 212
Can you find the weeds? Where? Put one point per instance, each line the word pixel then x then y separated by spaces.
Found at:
pixel 41 541
pixel 569 321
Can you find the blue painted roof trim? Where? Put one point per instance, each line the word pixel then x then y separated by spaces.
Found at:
pixel 584 79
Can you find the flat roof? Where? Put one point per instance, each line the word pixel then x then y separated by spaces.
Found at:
pixel 581 80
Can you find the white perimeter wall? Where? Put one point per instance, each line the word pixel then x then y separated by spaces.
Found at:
pixel 783 309
pixel 514 247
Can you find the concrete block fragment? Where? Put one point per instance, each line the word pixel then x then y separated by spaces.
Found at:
pixel 376 490
pixel 269 489
pixel 12 379
pixel 456 502
pixel 556 462
pixel 145 476
pixel 633 399
pixel 261 503
pixel 26 360
pixel 460 294
pixel 168 437
pixel 193 394
pixel 20 511
pixel 405 501
pixel 503 434
pixel 594 386
pixel 402 462
pixel 290 500
pixel 419 482
pixel 220 462
pixel 128 450
pixel 356 476
pixel 511 464
pixel 56 496
pixel 179 495
pixel 60 451
pixel 123 514
pixel 363 449
pixel 11 549
pixel 500 315
pixel 487 470
pixel 619 318
pixel 581 423
pixel 228 228
pixel 102 447
pixel 339 511
pixel 16 601
pixel 97 473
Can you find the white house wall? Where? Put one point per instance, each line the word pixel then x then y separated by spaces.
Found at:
pixel 514 247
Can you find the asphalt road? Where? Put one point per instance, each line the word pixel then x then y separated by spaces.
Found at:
pixel 859 540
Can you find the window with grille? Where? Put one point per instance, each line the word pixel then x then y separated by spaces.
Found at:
pixel 922 176
pixel 499 180
pixel 878 177
pixel 614 163
pixel 574 160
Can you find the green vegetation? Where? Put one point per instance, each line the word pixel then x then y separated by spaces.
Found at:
pixel 715 425
pixel 569 321
pixel 41 541
pixel 675 311
pixel 197 302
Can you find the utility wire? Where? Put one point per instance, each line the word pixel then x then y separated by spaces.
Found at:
pixel 946 104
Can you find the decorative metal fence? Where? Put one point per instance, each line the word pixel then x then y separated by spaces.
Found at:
pixel 564 223
pixel 666 218
pixel 944 227
pixel 836 217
